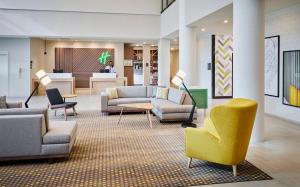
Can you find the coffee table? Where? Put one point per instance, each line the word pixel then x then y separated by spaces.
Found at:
pixel 143 106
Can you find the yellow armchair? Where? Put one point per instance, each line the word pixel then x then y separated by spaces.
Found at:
pixel 225 136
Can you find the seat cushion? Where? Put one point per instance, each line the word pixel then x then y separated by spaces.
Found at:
pixel 115 102
pixel 131 91
pixel 175 95
pixel 166 106
pixel 60 132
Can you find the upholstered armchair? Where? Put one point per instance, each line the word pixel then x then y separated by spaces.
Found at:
pixel 225 136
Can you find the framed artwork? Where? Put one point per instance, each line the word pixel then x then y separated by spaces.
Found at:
pixel 272 64
pixel 291 78
pixel 222 66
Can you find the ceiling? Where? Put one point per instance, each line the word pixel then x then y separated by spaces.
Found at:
pixel 214 23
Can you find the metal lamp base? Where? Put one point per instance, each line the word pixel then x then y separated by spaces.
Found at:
pixel 188 124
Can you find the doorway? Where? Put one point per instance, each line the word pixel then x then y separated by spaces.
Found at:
pixel 4 73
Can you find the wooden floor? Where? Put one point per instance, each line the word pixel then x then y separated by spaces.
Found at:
pixel 278 155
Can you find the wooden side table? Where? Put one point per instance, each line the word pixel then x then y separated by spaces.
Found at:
pixel 68 96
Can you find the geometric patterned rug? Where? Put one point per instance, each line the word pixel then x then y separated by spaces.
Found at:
pixel 128 154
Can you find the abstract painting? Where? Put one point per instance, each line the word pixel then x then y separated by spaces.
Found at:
pixel 272 50
pixel 222 65
pixel 291 78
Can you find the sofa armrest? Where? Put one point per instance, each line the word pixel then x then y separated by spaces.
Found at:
pixel 21 135
pixel 104 101
pixel 14 105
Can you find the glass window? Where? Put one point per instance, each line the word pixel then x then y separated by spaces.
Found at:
pixel 165 4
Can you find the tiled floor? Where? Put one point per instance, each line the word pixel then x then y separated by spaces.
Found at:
pixel 278 155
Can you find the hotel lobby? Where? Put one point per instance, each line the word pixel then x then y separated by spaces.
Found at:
pixel 149 93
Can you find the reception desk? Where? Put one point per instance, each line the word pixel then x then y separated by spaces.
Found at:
pixel 64 82
pixel 100 81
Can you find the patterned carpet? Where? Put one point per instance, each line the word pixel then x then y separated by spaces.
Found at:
pixel 128 154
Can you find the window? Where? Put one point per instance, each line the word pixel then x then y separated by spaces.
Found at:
pixel 165 4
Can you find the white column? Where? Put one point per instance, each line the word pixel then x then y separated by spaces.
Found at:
pixel 187 47
pixel 164 62
pixel 248 61
pixel 146 65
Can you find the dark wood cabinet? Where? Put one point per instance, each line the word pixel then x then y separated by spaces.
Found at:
pixel 128 72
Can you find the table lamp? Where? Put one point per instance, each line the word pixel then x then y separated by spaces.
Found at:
pixel 43 78
pixel 178 81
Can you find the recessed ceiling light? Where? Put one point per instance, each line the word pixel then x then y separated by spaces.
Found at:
pixel 203 29
pixel 225 21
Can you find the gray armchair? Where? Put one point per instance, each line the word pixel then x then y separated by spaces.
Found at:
pixel 28 134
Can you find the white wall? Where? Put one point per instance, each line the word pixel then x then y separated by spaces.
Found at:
pixel 204 50
pixel 110 6
pixel 169 21
pixel 18 59
pixel 78 25
pixel 49 63
pixel 286 23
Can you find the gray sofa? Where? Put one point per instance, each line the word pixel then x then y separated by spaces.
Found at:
pixel 28 134
pixel 176 108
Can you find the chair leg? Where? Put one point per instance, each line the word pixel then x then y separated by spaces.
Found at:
pixel 74 111
pixel 190 162
pixel 234 168
pixel 65 114
pixel 54 112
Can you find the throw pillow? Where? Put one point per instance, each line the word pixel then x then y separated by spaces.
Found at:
pixel 162 93
pixel 3 102
pixel 112 93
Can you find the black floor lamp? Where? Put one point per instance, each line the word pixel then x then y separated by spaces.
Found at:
pixel 43 78
pixel 178 81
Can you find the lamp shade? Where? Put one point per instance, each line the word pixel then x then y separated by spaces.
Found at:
pixel 181 74
pixel 177 81
pixel 45 80
pixel 40 74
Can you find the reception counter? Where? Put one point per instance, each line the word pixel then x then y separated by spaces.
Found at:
pixel 63 81
pixel 100 81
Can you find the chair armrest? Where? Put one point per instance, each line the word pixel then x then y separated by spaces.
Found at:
pixel 104 101
pixel 21 135
pixel 14 105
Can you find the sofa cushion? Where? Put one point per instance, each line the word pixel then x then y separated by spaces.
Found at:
pixel 60 132
pixel 112 93
pixel 131 91
pixel 27 111
pixel 175 109
pixel 115 102
pixel 3 102
pixel 162 93
pixel 151 91
pixel 175 95
pixel 166 106
pixel 162 102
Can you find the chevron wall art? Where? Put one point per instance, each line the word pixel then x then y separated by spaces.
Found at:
pixel 222 61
